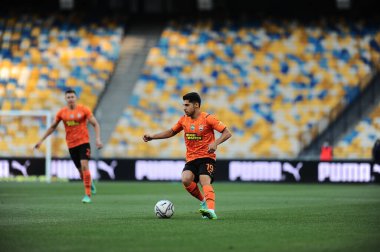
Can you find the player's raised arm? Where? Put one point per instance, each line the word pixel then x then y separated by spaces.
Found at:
pixel 162 135
pixel 96 126
pixel 47 133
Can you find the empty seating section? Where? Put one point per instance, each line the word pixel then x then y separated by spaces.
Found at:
pixel 270 81
pixel 358 142
pixel 40 58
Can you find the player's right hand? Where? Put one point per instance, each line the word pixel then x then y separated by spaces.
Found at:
pixel 147 138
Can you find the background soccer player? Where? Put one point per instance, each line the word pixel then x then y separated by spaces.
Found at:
pixel 75 117
pixel 201 145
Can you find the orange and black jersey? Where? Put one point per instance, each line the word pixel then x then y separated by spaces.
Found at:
pixel 198 134
pixel 75 121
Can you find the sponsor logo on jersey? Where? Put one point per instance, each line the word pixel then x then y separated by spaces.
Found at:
pixel 193 136
pixel 72 123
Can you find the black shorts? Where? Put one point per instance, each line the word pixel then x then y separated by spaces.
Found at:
pixel 80 152
pixel 201 166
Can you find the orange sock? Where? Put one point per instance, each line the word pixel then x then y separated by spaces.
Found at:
pixel 194 190
pixel 87 182
pixel 210 196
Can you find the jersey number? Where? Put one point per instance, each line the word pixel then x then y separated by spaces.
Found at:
pixel 210 168
pixel 88 152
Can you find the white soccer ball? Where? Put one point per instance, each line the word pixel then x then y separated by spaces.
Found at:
pixel 164 209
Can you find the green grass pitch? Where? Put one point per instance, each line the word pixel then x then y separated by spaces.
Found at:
pixel 252 217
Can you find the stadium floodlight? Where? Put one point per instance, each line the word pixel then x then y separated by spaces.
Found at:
pixel 36 113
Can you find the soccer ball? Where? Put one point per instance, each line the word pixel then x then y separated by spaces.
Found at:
pixel 164 209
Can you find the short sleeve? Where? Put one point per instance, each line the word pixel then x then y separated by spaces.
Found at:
pixel 215 123
pixel 87 112
pixel 178 126
pixel 58 116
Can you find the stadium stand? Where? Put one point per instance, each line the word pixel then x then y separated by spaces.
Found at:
pixel 358 142
pixel 270 81
pixel 40 57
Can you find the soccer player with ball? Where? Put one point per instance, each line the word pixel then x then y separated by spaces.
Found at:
pixel 75 117
pixel 201 145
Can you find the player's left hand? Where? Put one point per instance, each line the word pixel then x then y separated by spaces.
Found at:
pixel 37 146
pixel 212 147
pixel 99 144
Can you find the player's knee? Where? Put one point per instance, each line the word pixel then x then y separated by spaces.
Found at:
pixel 204 180
pixel 84 166
pixel 186 180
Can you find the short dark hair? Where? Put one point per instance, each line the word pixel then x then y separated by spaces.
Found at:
pixel 192 97
pixel 70 91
